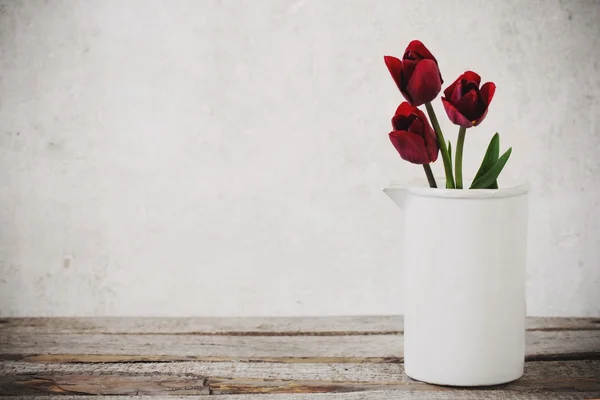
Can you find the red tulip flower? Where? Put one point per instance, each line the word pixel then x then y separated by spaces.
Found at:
pixel 417 74
pixel 412 136
pixel 465 103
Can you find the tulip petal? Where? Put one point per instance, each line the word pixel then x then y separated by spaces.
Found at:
pixel 410 146
pixel 398 122
pixel 470 105
pixel 455 116
pixel 429 136
pixel 481 118
pixel 408 68
pixel 411 119
pixel 467 86
pixel 421 115
pixel 401 122
pixel 463 84
pixel 416 46
pixel 425 83
pixel 487 92
pixel 457 93
pixel 471 77
pixel 406 109
pixel 417 126
pixel 432 151
pixel 417 51
pixel 452 89
pixel 431 141
pixel 404 116
pixel 420 126
pixel 394 65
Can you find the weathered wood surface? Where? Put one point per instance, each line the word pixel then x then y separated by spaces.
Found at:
pixel 268 358
pixel 561 344
pixel 463 394
pixel 239 377
pixel 281 326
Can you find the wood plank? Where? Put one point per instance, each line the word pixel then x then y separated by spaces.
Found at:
pixel 284 356
pixel 334 372
pixel 541 345
pixel 18 385
pixel 238 378
pixel 198 346
pixel 562 324
pixel 276 326
pixel 458 394
pixel 117 358
pixel 551 345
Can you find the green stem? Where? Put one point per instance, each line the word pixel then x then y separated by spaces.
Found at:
pixel 429 174
pixel 459 156
pixel 442 145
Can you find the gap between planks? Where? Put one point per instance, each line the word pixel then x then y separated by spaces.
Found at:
pixel 245 333
pixel 136 359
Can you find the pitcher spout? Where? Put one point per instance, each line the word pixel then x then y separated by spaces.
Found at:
pixel 398 194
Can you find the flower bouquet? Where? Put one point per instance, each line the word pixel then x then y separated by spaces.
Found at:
pixel 466 103
pixel 464 251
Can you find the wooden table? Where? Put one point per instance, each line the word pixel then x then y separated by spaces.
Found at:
pixel 246 358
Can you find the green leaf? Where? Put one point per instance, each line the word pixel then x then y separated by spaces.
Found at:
pixel 490 158
pixel 450 151
pixel 489 178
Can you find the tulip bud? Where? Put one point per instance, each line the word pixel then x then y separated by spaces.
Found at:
pixel 465 103
pixel 412 136
pixel 417 74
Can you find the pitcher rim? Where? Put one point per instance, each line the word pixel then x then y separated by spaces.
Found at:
pixel 419 188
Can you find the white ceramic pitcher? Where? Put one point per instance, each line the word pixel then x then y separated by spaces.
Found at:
pixel 464 283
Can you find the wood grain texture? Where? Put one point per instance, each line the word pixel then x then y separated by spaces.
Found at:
pixel 280 326
pixel 198 346
pixel 268 358
pixel 454 394
pixel 323 326
pixel 101 385
pixel 118 358
pixel 540 345
pixel 234 378
pixel 535 372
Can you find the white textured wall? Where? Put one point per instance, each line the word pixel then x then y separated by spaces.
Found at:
pixel 227 157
